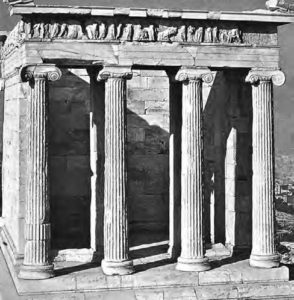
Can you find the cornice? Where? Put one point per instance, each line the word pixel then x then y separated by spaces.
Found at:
pixel 261 15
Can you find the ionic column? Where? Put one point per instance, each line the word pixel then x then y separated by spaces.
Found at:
pixel 116 259
pixel 37 264
pixel 192 253
pixel 263 253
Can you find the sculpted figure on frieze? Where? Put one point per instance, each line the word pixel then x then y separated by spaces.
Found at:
pixel 102 31
pixel 199 35
pixel 54 29
pixel 138 32
pixel 234 36
pixel 190 34
pixel 165 35
pixel 223 36
pixel 63 30
pixel 74 31
pixel 215 35
pixel 111 34
pixel 15 2
pixel 127 33
pixel 151 33
pixel 208 35
pixel 144 34
pixel 181 36
pixel 92 30
pixel 280 6
pixel 119 31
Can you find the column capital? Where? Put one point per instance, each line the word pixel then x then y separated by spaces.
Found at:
pixel 123 72
pixel 47 71
pixel 277 77
pixel 2 84
pixel 194 74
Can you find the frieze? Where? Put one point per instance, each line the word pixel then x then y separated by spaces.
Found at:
pixel 126 31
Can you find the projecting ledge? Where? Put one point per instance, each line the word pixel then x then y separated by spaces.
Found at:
pixel 261 15
pixel 241 272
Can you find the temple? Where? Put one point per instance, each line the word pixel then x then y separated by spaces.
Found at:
pixel 136 129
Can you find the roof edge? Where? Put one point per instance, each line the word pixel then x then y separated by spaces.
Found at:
pixel 260 15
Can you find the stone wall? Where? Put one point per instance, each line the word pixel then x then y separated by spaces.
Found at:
pixel 148 156
pixel 14 159
pixel 69 164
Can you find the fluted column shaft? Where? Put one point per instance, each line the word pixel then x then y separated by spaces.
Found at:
pixel 192 249
pixel 116 260
pixel 37 264
pixel 263 245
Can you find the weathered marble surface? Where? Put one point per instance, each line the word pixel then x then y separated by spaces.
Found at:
pixel 263 245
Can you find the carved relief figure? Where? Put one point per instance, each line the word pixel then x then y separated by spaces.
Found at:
pixel 181 37
pixel 28 29
pixel 165 36
pixel 111 32
pixel 25 29
pixel 36 30
pixel 144 35
pixel 102 31
pixel 63 30
pixel 234 36
pixel 151 33
pixel 199 35
pixel 21 27
pixel 91 29
pixel 119 31
pixel 208 35
pixel 137 32
pixel 223 36
pixel 54 30
pixel 190 34
pixel 127 32
pixel 215 35
pixel 42 31
pixel 74 31
pixel 47 29
pixel 279 5
pixel 141 34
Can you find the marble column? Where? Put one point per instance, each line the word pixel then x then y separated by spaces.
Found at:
pixel 263 253
pixel 37 264
pixel 192 246
pixel 116 259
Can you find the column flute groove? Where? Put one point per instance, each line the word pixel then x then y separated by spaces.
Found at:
pixel 192 250
pixel 116 259
pixel 264 252
pixel 37 264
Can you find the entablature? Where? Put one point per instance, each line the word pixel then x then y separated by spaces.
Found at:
pixel 149 37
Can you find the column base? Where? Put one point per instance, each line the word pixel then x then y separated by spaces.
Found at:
pixel 117 268
pixel 264 261
pixel 36 272
pixel 193 265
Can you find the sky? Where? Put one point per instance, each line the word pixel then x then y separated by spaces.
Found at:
pixel 284 96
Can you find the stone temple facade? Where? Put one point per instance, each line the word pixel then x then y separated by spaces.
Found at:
pixel 125 128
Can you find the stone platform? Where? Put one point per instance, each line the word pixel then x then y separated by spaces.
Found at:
pixel 156 278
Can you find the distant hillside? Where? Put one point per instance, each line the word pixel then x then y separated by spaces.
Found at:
pixel 284 168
